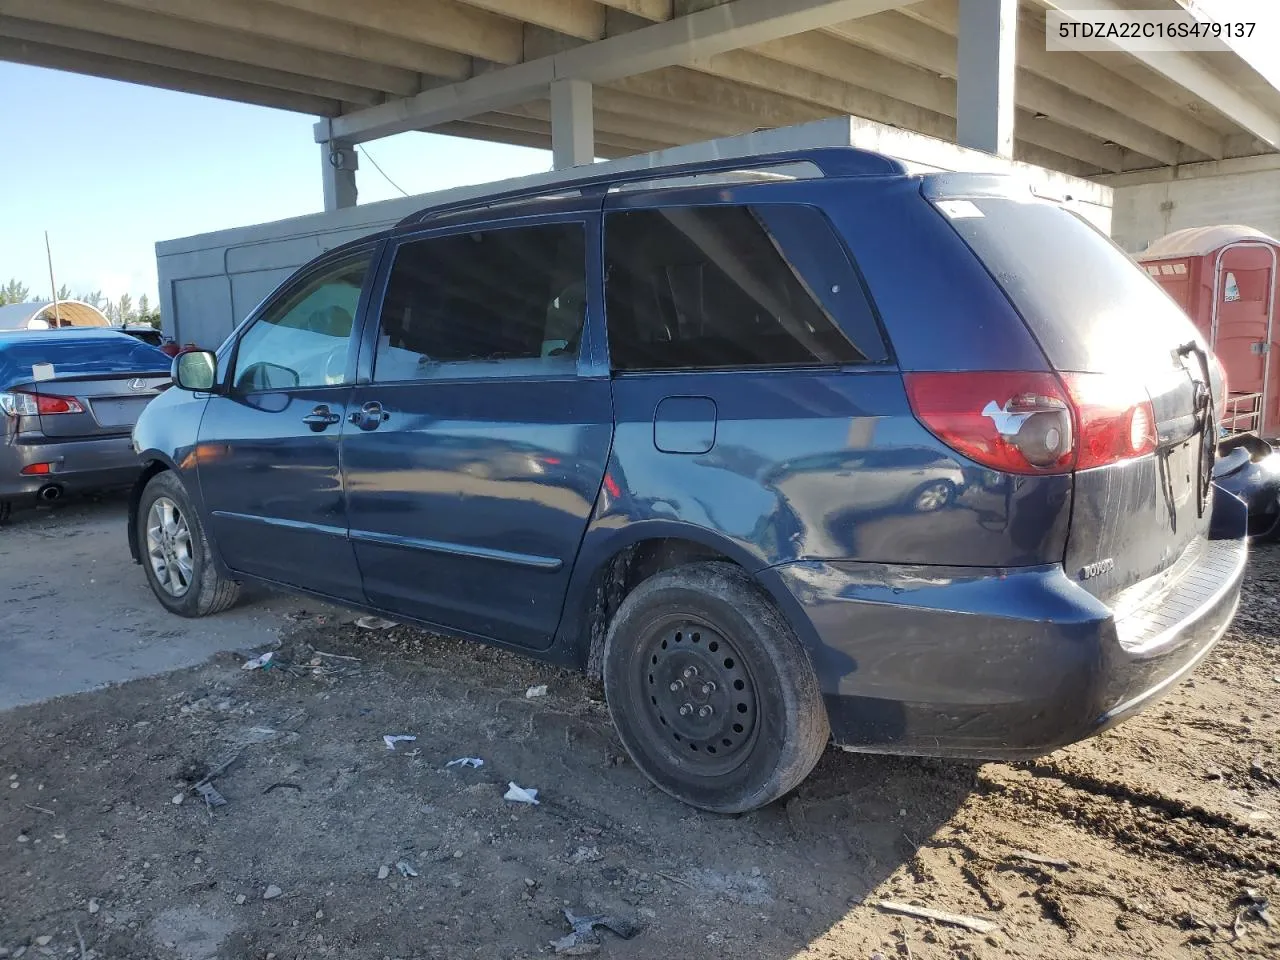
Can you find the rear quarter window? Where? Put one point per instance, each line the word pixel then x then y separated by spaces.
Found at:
pixel 1090 306
pixel 733 286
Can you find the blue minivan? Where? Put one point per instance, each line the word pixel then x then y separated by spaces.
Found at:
pixel 789 449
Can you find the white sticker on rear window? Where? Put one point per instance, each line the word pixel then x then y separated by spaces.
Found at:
pixel 960 209
pixel 41 371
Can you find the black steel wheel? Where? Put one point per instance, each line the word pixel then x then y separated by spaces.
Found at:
pixel 701 693
pixel 713 695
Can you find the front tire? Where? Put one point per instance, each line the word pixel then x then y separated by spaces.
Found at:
pixel 713 695
pixel 175 552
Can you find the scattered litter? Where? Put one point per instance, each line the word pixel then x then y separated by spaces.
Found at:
pixel 383 872
pixel 94 906
pixel 178 798
pixel 539 691
pixel 259 663
pixel 240 899
pixel 375 623
pixel 1030 857
pixel 586 855
pixel 466 762
pixel 283 785
pixel 520 794
pixel 1255 906
pixel 335 656
pixel 405 868
pixel 391 739
pixel 272 892
pixel 1213 773
pixel 924 913
pixel 32 806
pixel 210 794
pixel 43 941
pixel 584 940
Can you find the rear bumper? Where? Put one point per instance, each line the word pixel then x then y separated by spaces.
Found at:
pixel 1003 664
pixel 76 465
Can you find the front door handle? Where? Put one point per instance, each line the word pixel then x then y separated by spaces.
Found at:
pixel 369 416
pixel 321 417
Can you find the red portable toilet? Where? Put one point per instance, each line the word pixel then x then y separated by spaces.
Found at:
pixel 1225 277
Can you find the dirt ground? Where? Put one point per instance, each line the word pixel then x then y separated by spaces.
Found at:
pixel 1164 835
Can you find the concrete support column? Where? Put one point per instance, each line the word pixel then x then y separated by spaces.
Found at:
pixel 573 135
pixel 338 163
pixel 985 75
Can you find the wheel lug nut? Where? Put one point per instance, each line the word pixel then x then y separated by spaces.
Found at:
pixel 708 688
pixel 686 709
pixel 690 672
pixel 705 710
pixel 676 685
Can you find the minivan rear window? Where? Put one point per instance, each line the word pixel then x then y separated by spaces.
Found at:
pixel 1091 307
pixel 732 286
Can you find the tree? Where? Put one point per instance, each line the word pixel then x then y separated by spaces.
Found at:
pixel 95 299
pixel 147 313
pixel 14 292
pixel 64 293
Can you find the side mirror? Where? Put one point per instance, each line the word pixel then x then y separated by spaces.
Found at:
pixel 196 370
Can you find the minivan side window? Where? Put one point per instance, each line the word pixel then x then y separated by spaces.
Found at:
pixel 496 302
pixel 732 286
pixel 302 339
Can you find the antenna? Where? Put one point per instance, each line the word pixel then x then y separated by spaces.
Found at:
pixel 57 319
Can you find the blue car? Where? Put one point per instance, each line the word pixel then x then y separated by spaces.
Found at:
pixel 68 401
pixel 785 450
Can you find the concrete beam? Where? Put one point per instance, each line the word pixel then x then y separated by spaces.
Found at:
pixel 899 85
pixel 114 68
pixel 606 144
pixel 609 123
pixel 338 165
pixel 750 106
pixel 1190 72
pixel 733 25
pixel 584 19
pixel 985 75
pixel 1073 71
pixel 307 30
pixel 123 23
pixel 439 23
pixel 573 132
pixel 655 10
pixel 1207 170
pixel 145 53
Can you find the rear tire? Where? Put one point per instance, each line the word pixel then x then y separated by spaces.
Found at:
pixel 175 552
pixel 713 695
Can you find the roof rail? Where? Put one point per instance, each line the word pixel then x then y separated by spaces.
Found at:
pixel 829 162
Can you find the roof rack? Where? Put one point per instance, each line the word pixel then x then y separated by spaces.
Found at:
pixel 827 161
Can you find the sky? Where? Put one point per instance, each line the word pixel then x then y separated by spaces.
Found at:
pixel 111 168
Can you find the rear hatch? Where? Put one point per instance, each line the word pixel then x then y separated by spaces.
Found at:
pixel 1101 320
pixel 82 383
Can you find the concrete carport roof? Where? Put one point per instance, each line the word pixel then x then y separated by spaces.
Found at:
pixel 640 75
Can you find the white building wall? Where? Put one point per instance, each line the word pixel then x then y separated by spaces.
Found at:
pixel 210 282
pixel 1201 195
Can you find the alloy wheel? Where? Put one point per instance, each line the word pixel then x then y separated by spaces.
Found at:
pixel 169 547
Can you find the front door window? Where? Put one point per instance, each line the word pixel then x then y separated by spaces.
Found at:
pixel 303 339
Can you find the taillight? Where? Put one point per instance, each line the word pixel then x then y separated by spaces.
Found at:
pixel 1035 423
pixel 48 404
pixel 19 404
pixel 1116 418
pixel 1012 422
